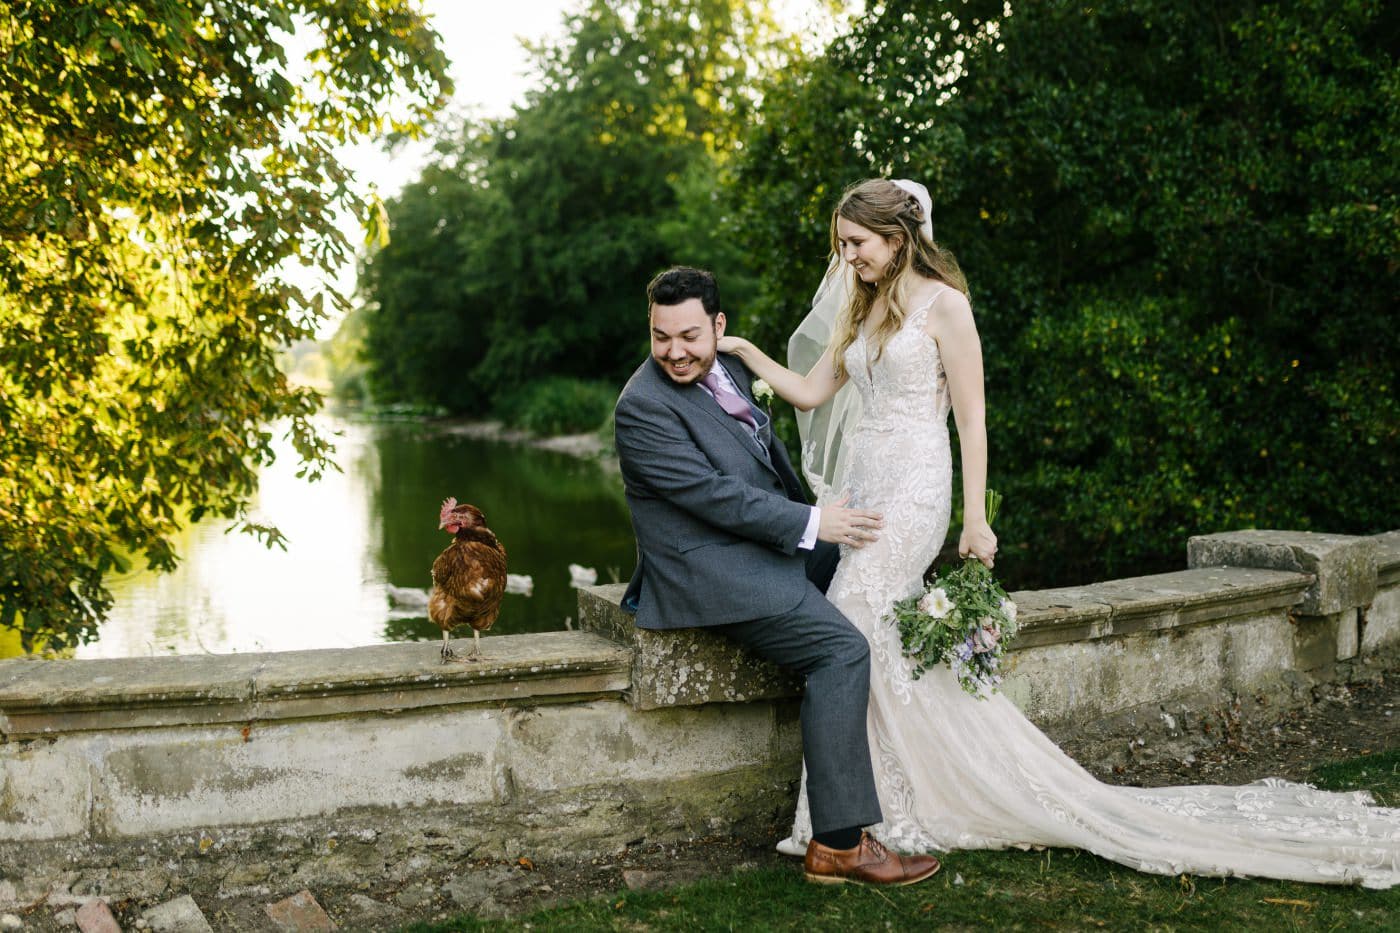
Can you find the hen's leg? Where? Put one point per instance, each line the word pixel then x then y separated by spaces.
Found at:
pixel 449 655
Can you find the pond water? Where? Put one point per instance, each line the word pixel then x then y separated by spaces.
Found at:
pixel 362 543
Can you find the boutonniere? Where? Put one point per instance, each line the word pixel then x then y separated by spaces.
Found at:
pixel 762 392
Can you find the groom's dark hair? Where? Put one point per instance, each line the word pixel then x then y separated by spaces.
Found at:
pixel 681 283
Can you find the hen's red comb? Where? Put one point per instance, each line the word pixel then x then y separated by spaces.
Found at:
pixel 448 505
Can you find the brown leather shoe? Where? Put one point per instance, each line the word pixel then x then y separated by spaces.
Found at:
pixel 868 863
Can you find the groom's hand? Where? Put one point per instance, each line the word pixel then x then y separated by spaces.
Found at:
pixel 853 527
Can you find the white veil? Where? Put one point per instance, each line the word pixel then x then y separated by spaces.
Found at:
pixel 824 429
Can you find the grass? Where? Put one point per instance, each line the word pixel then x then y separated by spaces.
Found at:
pixel 1379 774
pixel 1055 889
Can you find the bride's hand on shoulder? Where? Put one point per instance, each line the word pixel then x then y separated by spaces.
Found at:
pixel 728 344
pixel 978 541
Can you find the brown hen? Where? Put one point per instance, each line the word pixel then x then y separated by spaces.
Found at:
pixel 469 577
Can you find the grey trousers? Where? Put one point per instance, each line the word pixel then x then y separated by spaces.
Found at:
pixel 817 641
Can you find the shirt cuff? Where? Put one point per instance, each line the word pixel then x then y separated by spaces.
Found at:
pixel 809 537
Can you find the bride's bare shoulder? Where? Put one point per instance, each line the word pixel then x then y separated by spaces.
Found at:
pixel 948 308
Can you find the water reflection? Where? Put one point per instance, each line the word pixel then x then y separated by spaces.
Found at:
pixel 549 510
pixel 353 534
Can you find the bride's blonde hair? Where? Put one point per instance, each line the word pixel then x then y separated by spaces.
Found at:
pixel 882 207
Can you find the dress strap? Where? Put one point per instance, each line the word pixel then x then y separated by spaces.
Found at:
pixel 918 314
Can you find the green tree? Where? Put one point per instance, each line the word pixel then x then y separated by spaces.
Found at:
pixel 419 344
pixel 1180 222
pixel 162 165
pixel 524 251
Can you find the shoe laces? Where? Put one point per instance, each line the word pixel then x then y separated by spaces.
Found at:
pixel 877 848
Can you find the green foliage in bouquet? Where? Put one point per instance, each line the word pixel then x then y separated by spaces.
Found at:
pixel 963 619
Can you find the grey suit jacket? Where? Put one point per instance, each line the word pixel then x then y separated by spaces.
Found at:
pixel 717 519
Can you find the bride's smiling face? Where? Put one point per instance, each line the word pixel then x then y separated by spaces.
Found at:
pixel 868 252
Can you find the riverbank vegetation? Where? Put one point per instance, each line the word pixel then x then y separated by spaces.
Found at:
pixel 1180 221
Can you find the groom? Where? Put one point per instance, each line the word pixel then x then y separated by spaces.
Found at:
pixel 727 541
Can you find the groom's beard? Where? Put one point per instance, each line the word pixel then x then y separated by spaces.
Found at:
pixel 688 370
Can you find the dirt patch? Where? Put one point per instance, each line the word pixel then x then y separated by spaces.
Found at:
pixel 1343 722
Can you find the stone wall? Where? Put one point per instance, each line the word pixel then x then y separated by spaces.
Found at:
pixel 1141 666
pixel 577 742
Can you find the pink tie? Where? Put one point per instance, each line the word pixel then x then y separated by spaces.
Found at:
pixel 728 399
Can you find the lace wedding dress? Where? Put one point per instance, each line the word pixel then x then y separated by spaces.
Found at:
pixel 959 772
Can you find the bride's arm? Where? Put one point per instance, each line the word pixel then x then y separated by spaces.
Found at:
pixel 952 326
pixel 801 392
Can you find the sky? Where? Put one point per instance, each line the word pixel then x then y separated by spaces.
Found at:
pixel 483 41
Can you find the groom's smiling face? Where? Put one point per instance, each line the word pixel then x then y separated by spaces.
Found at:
pixel 683 339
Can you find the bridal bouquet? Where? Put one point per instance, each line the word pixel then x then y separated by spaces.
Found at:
pixel 963 618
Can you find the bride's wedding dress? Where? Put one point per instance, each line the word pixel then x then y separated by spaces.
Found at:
pixel 958 772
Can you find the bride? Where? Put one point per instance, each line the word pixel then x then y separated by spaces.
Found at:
pixel 899 350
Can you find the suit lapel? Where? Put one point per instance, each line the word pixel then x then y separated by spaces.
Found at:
pixel 737 373
pixel 703 402
pixel 775 453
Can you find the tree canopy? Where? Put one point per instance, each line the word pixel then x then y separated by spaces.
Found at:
pixel 1180 223
pixel 1179 219
pixel 162 165
pixel 524 250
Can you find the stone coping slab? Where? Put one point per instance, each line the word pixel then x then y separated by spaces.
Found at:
pixel 681 667
pixel 654 669
pixel 43 697
pixel 1387 558
pixel 1151 603
pixel 688 667
pixel 1344 566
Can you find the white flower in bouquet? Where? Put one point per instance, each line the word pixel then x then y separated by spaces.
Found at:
pixel 936 603
pixel 1008 609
